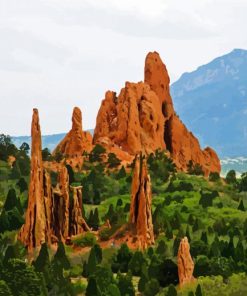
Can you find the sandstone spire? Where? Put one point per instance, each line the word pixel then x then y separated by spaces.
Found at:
pixel 34 232
pixel 185 263
pixel 141 204
pixel 142 119
pixel 76 141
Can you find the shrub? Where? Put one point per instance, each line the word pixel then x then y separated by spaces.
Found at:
pixel 84 240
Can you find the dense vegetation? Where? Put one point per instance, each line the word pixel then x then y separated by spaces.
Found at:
pixel 211 212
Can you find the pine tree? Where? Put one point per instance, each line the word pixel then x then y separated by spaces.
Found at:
pixel 122 173
pixel 239 255
pixel 162 248
pixel 143 279
pixel 171 291
pixel 119 202
pixel 169 233
pixel 92 262
pixel 241 206
pixel 92 288
pixel 42 263
pixel 198 290
pixel 204 237
pixel 187 234
pixel 95 223
pixel 176 244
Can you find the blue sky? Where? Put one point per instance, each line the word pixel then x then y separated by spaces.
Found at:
pixel 57 54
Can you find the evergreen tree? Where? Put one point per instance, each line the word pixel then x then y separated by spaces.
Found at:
pixel 136 263
pixel 90 221
pixel 152 288
pixel 92 287
pixel 204 237
pixel 171 291
pixel 110 213
pixel 125 284
pixel 198 290
pixel 119 202
pixel 95 224
pixel 42 263
pixel 162 248
pixel 104 278
pixel 187 234
pixel 176 244
pixel 122 173
pixel 4 221
pixel 71 174
pixel 4 289
pixel 113 161
pixel 92 262
pixel 15 171
pixel 180 232
pixel 239 255
pixel 241 206
pixel 169 233
pixel 22 184
pixel 12 201
pixel 60 259
pixel 231 177
pixel 143 279
pixel 98 253
pixel 122 259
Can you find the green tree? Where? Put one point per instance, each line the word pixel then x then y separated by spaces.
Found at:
pixel 171 291
pixel 12 201
pixel 92 287
pixel 119 202
pixel 143 279
pixel 92 261
pixel 231 177
pixel 22 184
pixel 21 277
pixel 243 182
pixel 121 173
pixel 214 176
pixel 161 248
pixel 43 264
pixel 71 174
pixel 113 161
pixel 204 237
pixel 15 171
pixel 25 147
pixel 125 284
pixel 198 290
pixel 4 221
pixel 121 259
pixel 96 153
pixel 4 289
pixel 46 154
pixel 152 288
pixel 95 223
pixel 241 206
pixel 136 263
pixel 104 278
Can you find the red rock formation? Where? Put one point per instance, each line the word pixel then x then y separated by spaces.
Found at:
pixel 78 224
pixel 34 232
pixel 141 204
pixel 185 263
pixel 49 217
pixel 76 141
pixel 142 118
pixel 61 206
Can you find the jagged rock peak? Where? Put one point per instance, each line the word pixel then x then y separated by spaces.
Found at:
pixel 185 263
pixel 34 232
pixel 141 204
pixel 76 141
pixel 77 119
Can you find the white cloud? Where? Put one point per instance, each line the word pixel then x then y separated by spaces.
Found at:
pixel 55 54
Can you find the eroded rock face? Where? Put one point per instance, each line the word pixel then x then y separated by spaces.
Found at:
pixel 133 121
pixel 142 118
pixel 78 224
pixel 76 141
pixel 34 232
pixel 141 204
pixel 49 217
pixel 185 263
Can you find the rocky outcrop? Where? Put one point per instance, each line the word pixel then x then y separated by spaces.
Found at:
pixel 61 206
pixel 141 204
pixel 35 230
pixel 76 141
pixel 142 119
pixel 78 224
pixel 185 263
pixel 50 217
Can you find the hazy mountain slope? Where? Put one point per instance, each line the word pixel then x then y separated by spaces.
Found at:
pixel 212 102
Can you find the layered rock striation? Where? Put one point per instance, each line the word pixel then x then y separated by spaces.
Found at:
pixel 142 119
pixel 185 263
pixel 76 141
pixel 50 216
pixel 141 204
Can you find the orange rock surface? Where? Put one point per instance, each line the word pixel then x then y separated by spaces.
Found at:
pixel 34 232
pixel 142 119
pixel 50 217
pixel 185 263
pixel 141 204
pixel 76 141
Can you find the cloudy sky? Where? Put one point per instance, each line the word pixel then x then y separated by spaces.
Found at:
pixel 57 54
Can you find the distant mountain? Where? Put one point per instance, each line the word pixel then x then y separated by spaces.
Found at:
pixel 48 141
pixel 212 102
